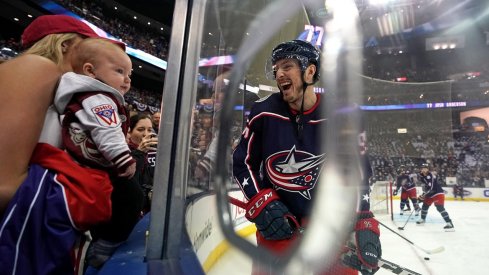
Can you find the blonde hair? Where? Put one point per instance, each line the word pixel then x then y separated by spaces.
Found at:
pixel 50 46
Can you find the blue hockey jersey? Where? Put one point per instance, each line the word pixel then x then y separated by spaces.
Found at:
pixel 430 185
pixel 271 154
pixel 405 182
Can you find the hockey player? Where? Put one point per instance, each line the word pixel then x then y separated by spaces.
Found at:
pixel 432 194
pixel 408 190
pixel 281 131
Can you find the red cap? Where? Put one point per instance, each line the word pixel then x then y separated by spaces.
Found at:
pixel 50 24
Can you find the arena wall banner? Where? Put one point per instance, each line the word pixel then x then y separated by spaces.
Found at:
pixel 203 228
pixel 451 181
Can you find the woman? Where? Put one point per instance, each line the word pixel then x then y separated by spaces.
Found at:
pixel 50 40
pixel 46 200
pixel 142 142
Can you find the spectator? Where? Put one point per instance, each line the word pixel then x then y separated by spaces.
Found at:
pixel 143 142
pixel 156 120
pixel 66 198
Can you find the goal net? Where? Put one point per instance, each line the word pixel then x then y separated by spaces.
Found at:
pixel 381 198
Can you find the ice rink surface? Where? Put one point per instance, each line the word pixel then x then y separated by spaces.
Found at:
pixel 466 250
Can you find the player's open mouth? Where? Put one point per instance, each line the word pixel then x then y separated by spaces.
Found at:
pixel 285 85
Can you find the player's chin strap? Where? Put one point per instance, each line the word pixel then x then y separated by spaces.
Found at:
pixel 298 118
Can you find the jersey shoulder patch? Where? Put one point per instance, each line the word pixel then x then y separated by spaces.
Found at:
pixel 106 115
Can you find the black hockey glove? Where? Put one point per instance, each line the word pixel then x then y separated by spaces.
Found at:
pixel 350 259
pixel 271 217
pixel 368 248
pixel 394 193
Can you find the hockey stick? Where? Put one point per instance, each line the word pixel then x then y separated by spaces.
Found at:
pixel 427 251
pixel 242 204
pixel 394 268
pixel 402 228
pixel 238 203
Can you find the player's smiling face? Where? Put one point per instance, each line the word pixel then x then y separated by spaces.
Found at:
pixel 289 79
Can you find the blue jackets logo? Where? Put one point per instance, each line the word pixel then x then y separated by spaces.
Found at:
pixel 294 171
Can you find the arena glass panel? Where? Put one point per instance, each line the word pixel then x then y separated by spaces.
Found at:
pixel 429 119
pixel 224 38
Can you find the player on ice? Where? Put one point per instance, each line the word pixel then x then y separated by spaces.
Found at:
pixel 278 161
pixel 432 194
pixel 408 190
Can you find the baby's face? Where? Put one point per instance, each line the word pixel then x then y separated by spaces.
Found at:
pixel 115 70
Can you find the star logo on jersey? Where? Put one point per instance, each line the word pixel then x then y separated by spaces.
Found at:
pixel 105 114
pixel 294 170
pixel 245 182
pixel 366 198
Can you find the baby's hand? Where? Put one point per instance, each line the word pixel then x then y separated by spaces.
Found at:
pixel 130 171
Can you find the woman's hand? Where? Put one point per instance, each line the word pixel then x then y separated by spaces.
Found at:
pixel 148 143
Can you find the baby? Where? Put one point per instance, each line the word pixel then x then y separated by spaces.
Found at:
pixel 94 120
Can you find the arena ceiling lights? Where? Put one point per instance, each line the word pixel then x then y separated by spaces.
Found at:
pixel 445 43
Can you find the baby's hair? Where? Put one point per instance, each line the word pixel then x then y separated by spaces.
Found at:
pixel 89 50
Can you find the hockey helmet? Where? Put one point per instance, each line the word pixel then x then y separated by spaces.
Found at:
pixel 302 51
pixel 403 169
pixel 423 166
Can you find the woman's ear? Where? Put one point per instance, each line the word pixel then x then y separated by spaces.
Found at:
pixel 88 69
pixel 64 46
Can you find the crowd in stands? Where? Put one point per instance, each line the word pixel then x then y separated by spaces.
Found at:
pixel 380 92
pixel 143 100
pixel 432 66
pixel 150 40
pixel 435 138
pixel 135 35
pixel 9 48
pixel 450 151
pixel 431 73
